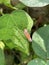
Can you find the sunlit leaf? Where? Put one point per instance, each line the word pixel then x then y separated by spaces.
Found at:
pixel 35 3
pixel 2 58
pixel 22 20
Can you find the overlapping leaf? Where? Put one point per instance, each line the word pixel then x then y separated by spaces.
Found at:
pixel 22 20
pixel 37 61
pixel 8 30
pixel 35 3
pixel 19 42
pixel 2 58
pixel 10 21
pixel 6 2
pixel 40 42
pixel 20 6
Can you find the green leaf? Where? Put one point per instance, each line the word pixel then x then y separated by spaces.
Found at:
pixel 9 43
pixel 6 33
pixel 35 3
pixel 22 20
pixel 1 1
pixel 6 27
pixel 2 58
pixel 2 45
pixel 24 58
pixel 15 19
pixel 40 42
pixel 10 21
pixel 20 41
pixel 37 61
pixel 6 2
pixel 6 21
pixel 20 6
pixel 47 62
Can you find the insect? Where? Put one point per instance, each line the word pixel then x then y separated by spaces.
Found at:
pixel 27 35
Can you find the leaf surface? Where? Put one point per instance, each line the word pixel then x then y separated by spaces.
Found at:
pixel 40 42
